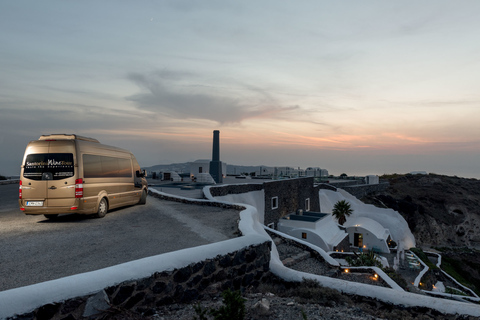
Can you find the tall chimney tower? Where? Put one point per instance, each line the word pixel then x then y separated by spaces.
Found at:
pixel 216 164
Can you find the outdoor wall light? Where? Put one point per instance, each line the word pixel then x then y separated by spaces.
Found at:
pixel 346 271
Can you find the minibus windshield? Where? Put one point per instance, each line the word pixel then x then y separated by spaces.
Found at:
pixel 48 166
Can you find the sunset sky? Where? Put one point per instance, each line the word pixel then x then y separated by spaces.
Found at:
pixel 361 87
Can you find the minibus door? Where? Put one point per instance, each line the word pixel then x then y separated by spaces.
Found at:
pixel 60 180
pixel 61 193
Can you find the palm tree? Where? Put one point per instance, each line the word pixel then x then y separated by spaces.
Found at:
pixel 341 210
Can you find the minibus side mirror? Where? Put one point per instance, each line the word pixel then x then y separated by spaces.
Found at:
pixel 140 173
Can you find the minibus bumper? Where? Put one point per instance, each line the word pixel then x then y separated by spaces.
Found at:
pixel 77 207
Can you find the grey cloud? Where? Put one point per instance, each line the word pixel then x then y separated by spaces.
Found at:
pixel 178 100
pixel 39 117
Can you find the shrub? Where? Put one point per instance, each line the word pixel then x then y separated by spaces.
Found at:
pixel 423 256
pixel 455 291
pixel 233 307
pixel 453 267
pixel 202 313
pixel 364 259
pixel 396 277
pixel 2 177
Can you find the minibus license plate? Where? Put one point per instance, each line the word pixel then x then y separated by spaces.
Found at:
pixel 34 203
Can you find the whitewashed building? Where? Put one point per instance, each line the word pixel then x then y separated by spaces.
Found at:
pixel 367 234
pixel 316 228
pixel 203 166
pixel 316 172
pixel 170 176
pixel 287 172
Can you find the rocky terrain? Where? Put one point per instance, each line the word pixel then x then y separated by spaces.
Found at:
pixel 278 300
pixel 443 212
pixel 440 210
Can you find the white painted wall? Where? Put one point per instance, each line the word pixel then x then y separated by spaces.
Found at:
pixel 372 179
pixel 195 167
pixel 205 165
pixel 369 239
pixel 388 218
pixel 312 237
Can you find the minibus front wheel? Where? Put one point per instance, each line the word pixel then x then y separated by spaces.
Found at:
pixel 102 208
pixel 143 198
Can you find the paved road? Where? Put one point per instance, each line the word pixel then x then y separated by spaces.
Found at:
pixel 34 249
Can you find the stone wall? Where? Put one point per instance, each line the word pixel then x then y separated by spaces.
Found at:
pixel 291 195
pixel 360 191
pixel 346 183
pixel 234 189
pixel 344 245
pixel 236 270
pixel 327 186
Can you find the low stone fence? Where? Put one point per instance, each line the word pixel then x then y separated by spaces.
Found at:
pixel 236 270
pixel 327 187
pixel 360 191
pixel 9 181
pixel 224 190
pixel 201 202
pixel 199 272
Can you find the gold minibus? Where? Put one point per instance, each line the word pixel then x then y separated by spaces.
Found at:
pixel 68 173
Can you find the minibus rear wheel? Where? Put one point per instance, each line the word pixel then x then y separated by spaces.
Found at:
pixel 102 208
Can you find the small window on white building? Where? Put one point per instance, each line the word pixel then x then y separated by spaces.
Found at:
pixel 304 235
pixel 275 203
pixel 200 170
pixel 307 204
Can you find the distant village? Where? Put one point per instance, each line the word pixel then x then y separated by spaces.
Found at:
pixel 201 168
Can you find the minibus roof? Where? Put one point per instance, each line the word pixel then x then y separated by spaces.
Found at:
pixel 63 136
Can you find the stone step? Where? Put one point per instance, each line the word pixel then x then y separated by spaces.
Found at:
pixel 277 241
pixel 296 258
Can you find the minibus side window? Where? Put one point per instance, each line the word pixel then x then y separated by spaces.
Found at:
pixel 95 166
pixel 124 168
